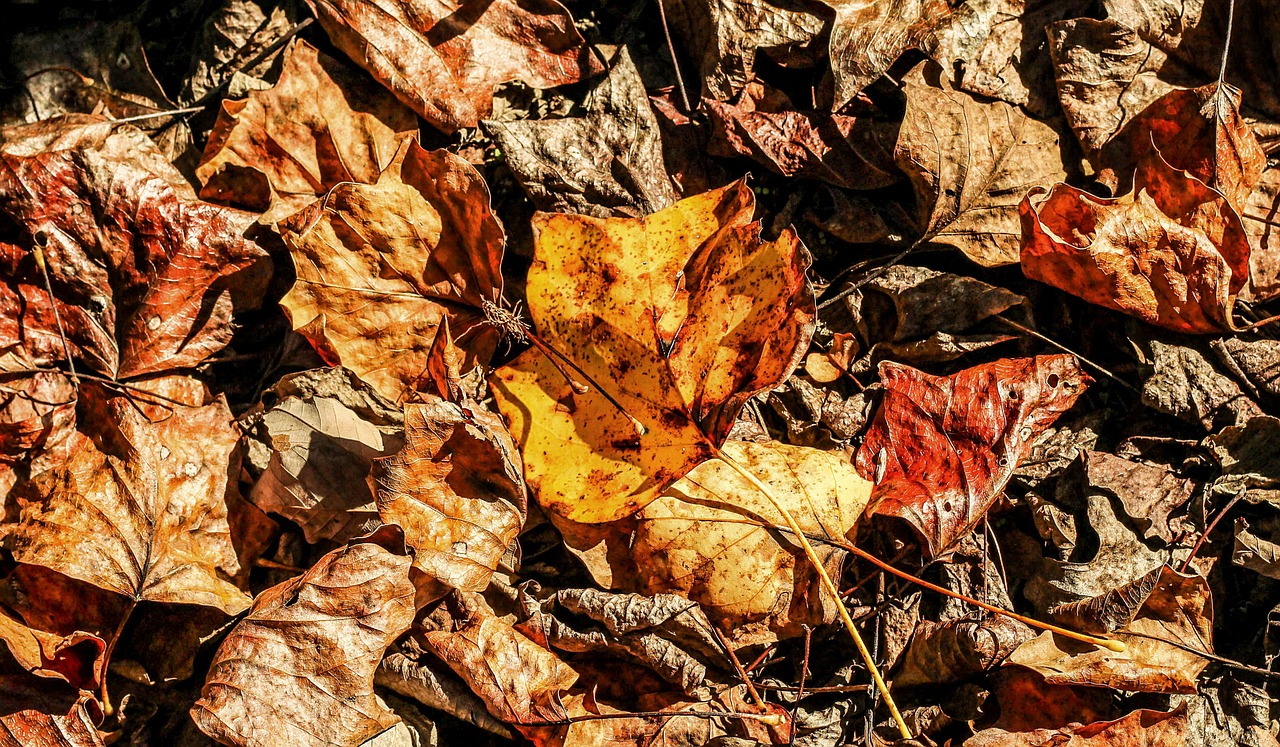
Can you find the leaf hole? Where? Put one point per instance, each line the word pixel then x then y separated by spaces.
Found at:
pixel 1053 381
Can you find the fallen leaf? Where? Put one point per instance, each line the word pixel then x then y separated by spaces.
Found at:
pixel 763 124
pixel 1028 703
pixel 1261 216
pixel 48 724
pixel 142 511
pixel 145 276
pixel 443 59
pixel 37 418
pixel 1148 492
pixel 76 658
pixel 1247 457
pixel 456 490
pixel 724 38
pixel 1146 614
pixel 1172 253
pixel 379 267
pixel 606 162
pixel 519 681
pixel 1142 727
pixel 298 670
pixel 683 316
pixel 236 33
pixel 713 538
pixel 1184 384
pixel 954 651
pixel 941 449
pixel 411 671
pixel 970 162
pixel 320 125
pixel 1262 556
pixel 319 443
pixel 868 37
pixel 1256 363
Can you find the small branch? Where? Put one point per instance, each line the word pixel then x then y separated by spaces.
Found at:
pixel 1068 350
pixel 675 63
pixel 1212 524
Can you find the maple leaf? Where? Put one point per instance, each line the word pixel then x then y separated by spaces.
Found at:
pixel 298 669
pixel 606 162
pixel 1172 253
pixel 941 449
pixel 456 490
pixel 970 162
pixel 381 266
pixel 145 277
pixel 444 58
pixel 321 124
pixel 141 511
pixel 682 316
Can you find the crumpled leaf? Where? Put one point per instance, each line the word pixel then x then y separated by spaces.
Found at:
pixel 412 672
pixel 317 447
pixel 37 418
pixel 76 658
pixel 320 124
pixel 763 124
pixel 725 36
pixel 1251 551
pixel 664 632
pixel 145 276
pixel 970 162
pixel 444 58
pixel 519 681
pixel 1246 453
pixel 298 670
pixel 1186 385
pixel 1148 492
pixel 941 449
pixel 868 37
pixel 1161 606
pixel 456 490
pixel 606 162
pixel 1143 727
pixel 41 721
pixel 141 511
pixel 1255 362
pixel 1172 253
pixel 958 649
pixel 682 316
pixel 236 32
pixel 381 266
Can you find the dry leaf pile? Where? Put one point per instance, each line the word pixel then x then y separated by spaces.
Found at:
pixel 407 373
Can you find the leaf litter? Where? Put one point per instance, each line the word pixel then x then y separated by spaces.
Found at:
pixel 571 374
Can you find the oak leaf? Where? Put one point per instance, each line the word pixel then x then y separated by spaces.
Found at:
pixel 1172 253
pixel 141 511
pixel 298 669
pixel 942 448
pixel 456 490
pixel 381 266
pixel 145 277
pixel 608 161
pixel 1158 617
pixel 321 124
pixel 971 161
pixel 444 59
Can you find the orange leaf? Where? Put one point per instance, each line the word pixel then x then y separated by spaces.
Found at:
pixel 681 316
pixel 381 266
pixel 1173 253
pixel 942 448
pixel 321 124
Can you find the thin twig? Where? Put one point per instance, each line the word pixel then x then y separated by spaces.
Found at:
pixel 1068 350
pixel 38 250
pixel 871 275
pixel 773 719
pixel 1212 525
pixel 675 63
pixel 157 115
pixel 737 666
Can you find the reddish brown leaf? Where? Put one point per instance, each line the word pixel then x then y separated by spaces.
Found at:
pixel 37 417
pixel 444 58
pixel 145 276
pixel 1138 729
pixel 1173 253
pixel 381 266
pixel 76 658
pixel 941 449
pixel 298 670
pixel 42 720
pixel 456 490
pixel 321 124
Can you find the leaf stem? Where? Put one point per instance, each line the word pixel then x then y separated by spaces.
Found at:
pixel 827 584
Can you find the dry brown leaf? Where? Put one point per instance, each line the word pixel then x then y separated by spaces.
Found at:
pixel 941 449
pixel 519 681
pixel 76 658
pixel 319 447
pixel 681 316
pixel 456 490
pixel 232 36
pixel 971 161
pixel 381 266
pixel 42 721
pixel 606 162
pixel 1141 728
pixel 956 650
pixel 140 512
pixel 1173 253
pixel 145 277
pixel 37 418
pixel 443 58
pixel 1260 555
pixel 1161 606
pixel 762 124
pixel 321 124
pixel 1184 384
pixel 1148 492
pixel 298 670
